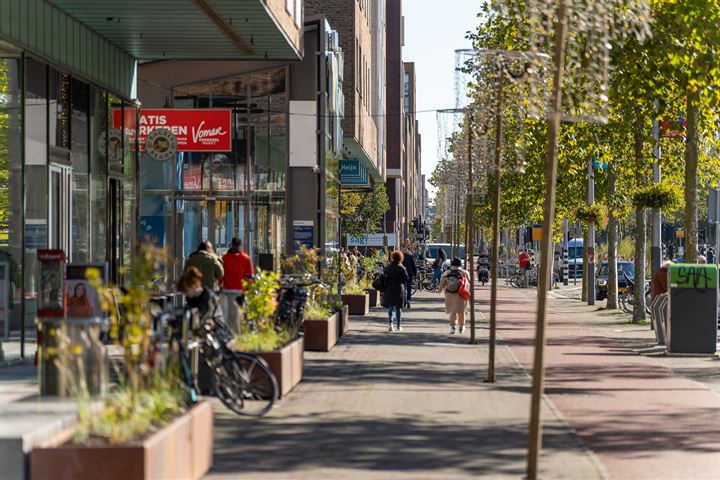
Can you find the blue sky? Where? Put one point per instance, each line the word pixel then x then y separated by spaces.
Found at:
pixel 434 29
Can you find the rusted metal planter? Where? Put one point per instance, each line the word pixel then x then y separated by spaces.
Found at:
pixel 286 364
pixel 182 449
pixel 321 335
pixel 357 304
pixel 374 297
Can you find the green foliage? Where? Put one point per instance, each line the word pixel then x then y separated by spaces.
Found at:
pixel 656 195
pixel 304 262
pixel 594 213
pixel 264 340
pixel 626 248
pixel 354 289
pixel 260 299
pixel 315 310
pixel 364 217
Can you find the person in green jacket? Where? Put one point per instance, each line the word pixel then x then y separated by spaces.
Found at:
pixel 209 264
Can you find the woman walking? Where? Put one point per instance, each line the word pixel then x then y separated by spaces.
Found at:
pixel 393 297
pixel 437 267
pixel 455 305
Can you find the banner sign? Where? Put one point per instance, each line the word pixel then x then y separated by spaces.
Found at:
pixel 197 130
pixel 352 173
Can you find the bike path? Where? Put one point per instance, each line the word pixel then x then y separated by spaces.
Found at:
pixel 643 419
pixel 405 405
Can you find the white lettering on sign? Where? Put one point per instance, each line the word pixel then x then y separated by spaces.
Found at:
pixel 200 133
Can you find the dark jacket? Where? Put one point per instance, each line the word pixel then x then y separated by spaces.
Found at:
pixel 394 294
pixel 209 265
pixel 409 264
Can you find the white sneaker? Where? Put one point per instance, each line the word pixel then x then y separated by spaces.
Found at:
pixel 390 329
pixel 452 330
pixel 399 329
pixel 462 329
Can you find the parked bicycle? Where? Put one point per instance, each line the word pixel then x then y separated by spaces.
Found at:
pixel 242 382
pixel 626 299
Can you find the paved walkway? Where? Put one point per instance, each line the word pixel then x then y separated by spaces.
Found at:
pixel 654 418
pixel 408 404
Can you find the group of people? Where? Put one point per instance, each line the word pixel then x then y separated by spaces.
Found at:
pixel 205 272
pixel 398 280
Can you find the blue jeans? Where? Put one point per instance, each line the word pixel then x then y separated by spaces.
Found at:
pixel 408 289
pixel 398 314
pixel 437 273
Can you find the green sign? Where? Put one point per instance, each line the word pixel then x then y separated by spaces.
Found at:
pixel 693 276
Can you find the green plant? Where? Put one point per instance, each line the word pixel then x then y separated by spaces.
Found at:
pixel 594 213
pixel 265 340
pixel 316 310
pixel 626 248
pixel 354 289
pixel 304 262
pixel 656 195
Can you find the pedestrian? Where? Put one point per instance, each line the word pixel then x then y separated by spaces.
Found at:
pixel 393 297
pixel 437 267
pixel 524 263
pixel 455 305
pixel 409 264
pixel 238 268
pixel 207 263
pixel 711 256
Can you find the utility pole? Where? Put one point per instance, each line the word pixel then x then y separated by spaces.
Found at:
pixel 565 269
pixel 591 237
pixel 469 228
pixel 656 214
pixel 496 232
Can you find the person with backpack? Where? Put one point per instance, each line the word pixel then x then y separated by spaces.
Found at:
pixel 451 283
pixel 437 267
pixel 393 295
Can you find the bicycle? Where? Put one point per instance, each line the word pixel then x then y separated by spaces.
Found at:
pixel 242 382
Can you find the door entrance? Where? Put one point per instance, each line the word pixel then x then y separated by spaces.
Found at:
pixel 60 208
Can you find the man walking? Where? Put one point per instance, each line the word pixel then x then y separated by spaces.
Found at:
pixel 409 264
pixel 209 265
pixel 238 268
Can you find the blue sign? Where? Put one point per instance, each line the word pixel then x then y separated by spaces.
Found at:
pixel 152 229
pixel 303 234
pixel 352 173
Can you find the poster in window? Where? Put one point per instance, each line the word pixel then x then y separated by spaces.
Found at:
pixel 82 298
pixel 52 283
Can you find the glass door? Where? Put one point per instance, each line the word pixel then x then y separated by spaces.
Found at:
pixel 60 208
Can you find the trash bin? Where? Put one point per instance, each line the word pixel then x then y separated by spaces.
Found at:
pixel 693 306
pixel 71 352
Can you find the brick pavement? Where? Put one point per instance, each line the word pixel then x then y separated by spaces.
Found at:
pixel 408 404
pixel 654 418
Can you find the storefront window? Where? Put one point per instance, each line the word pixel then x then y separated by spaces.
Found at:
pixel 98 175
pixel 79 128
pixel 11 214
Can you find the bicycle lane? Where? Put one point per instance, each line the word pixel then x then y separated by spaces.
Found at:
pixel 640 419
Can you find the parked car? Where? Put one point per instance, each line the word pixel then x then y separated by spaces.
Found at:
pixel 431 251
pixel 625 269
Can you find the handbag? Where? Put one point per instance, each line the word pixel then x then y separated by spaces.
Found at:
pixel 464 290
pixel 379 282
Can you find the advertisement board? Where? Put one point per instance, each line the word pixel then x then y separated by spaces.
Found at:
pixel 82 298
pixel 52 283
pixel 196 130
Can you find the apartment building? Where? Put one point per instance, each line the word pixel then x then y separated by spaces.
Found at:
pixel 361 28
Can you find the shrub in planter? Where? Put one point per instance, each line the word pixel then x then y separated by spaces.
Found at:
pixel 356 298
pixel 149 404
pixel 260 335
pixel 320 327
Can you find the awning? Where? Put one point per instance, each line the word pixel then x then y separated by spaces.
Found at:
pixel 192 29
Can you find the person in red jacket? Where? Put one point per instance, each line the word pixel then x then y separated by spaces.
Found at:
pixel 238 266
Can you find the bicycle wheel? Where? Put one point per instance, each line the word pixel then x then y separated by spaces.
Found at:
pixel 427 284
pixel 245 385
pixel 415 283
pixel 626 303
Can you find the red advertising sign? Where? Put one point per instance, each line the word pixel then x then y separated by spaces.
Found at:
pixel 197 130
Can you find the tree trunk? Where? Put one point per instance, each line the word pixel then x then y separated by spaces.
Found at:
pixel 612 287
pixel 691 180
pixel 640 229
pixel 586 242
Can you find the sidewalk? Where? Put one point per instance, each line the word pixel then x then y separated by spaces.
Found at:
pixel 644 417
pixel 408 404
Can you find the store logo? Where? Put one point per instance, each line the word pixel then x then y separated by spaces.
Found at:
pixel 161 144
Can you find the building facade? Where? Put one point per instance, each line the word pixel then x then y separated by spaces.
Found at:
pixel 71 160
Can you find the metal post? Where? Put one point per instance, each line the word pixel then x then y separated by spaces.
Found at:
pixel 655 213
pixel 565 268
pixel 590 260
pixel 470 233
pixel 535 428
pixel 496 231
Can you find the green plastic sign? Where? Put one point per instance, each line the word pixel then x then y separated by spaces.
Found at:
pixel 692 275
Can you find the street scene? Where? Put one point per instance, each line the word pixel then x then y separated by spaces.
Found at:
pixel 359 239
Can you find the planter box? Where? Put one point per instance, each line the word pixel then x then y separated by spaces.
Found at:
pixel 183 449
pixel 374 297
pixel 286 364
pixel 321 335
pixel 358 304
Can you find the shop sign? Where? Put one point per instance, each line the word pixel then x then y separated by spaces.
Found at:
pixel 161 144
pixel 197 130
